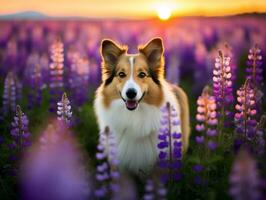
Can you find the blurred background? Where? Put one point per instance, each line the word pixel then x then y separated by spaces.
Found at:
pixel 51 47
pixel 192 31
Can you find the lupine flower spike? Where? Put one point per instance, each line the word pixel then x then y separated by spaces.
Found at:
pixel 154 190
pixel 35 93
pixel 254 69
pixel 233 62
pixel 207 119
pixel 78 79
pixel 56 73
pixel 254 72
pixel 64 112
pixel 55 170
pixel 245 116
pixel 19 133
pixel 9 96
pixel 260 135
pixel 206 127
pixel 170 144
pixel 244 178
pixel 107 174
pixel 222 89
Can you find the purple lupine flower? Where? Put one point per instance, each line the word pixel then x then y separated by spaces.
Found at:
pixel 107 174
pixel 45 69
pixel 149 190
pixel 254 66
pixel 198 168
pixel 64 112
pixel 54 169
pixel 260 135
pixel 170 144
pixel 207 119
pixel 245 116
pixel 78 78
pixel 254 72
pixel 199 139
pixel 228 51
pixel 244 180
pixel 35 84
pixel 206 126
pixel 154 190
pixel 9 96
pixel 222 89
pixel 20 133
pixel 56 73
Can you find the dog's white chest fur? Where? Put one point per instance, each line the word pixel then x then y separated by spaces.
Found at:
pixel 135 131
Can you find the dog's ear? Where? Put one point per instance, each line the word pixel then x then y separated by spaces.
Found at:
pixel 153 51
pixel 110 52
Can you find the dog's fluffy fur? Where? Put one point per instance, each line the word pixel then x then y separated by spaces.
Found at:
pixel 135 121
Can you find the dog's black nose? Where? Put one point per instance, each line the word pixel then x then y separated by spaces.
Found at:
pixel 131 93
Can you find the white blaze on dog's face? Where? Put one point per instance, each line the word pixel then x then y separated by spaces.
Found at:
pixel 134 78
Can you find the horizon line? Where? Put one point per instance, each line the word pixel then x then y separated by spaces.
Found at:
pixel 48 16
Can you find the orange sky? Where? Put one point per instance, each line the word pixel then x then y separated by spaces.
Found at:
pixel 131 9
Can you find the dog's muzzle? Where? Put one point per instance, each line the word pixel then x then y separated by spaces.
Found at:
pixel 131 104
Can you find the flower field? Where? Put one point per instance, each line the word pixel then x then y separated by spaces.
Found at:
pixel 50 145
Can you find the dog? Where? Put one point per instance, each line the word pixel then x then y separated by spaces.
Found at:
pixel 129 100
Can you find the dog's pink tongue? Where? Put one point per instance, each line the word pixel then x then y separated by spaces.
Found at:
pixel 131 104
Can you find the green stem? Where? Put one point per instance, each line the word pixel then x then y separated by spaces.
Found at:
pixel 245 108
pixel 222 106
pixel 19 112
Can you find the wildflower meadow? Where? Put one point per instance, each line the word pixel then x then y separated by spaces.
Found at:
pixel 50 144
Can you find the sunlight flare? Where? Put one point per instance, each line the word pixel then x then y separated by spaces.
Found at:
pixel 164 12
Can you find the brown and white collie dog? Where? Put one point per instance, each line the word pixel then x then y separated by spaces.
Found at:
pixel 129 99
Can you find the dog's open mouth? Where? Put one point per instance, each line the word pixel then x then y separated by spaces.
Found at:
pixel 131 104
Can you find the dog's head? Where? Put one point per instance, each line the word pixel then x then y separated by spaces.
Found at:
pixel 133 77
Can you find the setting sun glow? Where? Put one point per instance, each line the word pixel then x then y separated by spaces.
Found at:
pixel 163 9
pixel 164 12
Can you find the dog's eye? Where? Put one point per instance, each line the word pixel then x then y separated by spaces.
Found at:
pixel 142 75
pixel 122 75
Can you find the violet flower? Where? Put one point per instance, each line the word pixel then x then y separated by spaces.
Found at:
pixel 56 73
pixel 149 190
pixel 244 180
pixel 9 96
pixel 78 78
pixel 254 66
pixel 245 116
pixel 35 84
pixel 54 169
pixel 154 190
pixel 170 145
pixel 254 72
pixel 19 133
pixel 207 128
pixel 107 174
pixel 228 51
pixel 64 112
pixel 207 119
pixel 222 89
pixel 259 146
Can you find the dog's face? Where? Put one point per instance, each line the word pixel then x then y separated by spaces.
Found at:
pixel 132 77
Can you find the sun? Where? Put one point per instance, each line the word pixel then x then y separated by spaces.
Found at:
pixel 164 12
